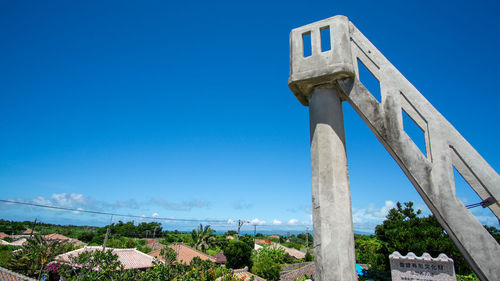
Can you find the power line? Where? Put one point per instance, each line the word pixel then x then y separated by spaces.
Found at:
pixel 112 214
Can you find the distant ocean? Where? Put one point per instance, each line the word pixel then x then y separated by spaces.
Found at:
pixel 285 232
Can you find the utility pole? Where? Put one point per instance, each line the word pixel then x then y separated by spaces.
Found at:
pixel 240 223
pixel 33 228
pixel 107 234
pixel 307 238
pixel 254 232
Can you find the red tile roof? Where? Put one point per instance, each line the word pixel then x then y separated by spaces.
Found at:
pixel 185 254
pixel 244 275
pixel 129 258
pixel 263 241
pixel 3 235
pixel 62 238
pixel 7 275
pixel 291 251
pixel 220 258
pixel 299 273
pixel 28 232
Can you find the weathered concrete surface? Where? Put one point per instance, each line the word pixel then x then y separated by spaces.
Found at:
pixel 331 197
pixel 321 67
pixel 431 174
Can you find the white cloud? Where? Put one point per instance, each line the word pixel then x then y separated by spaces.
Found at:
pixel 365 219
pixel 230 221
pixel 257 221
pixel 41 201
pixel 276 222
pixel 293 221
pixel 68 200
pixel 155 215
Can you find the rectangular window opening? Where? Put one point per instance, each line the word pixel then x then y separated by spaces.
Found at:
pixel 368 80
pixel 306 43
pixel 325 39
pixel 416 134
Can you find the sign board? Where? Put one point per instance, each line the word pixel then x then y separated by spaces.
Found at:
pixel 424 268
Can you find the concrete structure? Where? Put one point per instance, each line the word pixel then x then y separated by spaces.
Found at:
pixel 327 75
pixel 412 267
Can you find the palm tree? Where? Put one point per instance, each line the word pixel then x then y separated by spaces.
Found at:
pixel 203 237
pixel 36 254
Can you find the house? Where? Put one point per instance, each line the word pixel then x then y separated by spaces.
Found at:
pixel 3 235
pixel 19 242
pixel 8 275
pixel 154 244
pixel 129 258
pixel 28 231
pixel 263 241
pixel 244 275
pixel 229 237
pixel 301 272
pixel 220 258
pixel 274 236
pixel 292 252
pixel 62 238
pixel 185 254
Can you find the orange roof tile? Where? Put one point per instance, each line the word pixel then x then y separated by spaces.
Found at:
pixel 62 238
pixel 299 273
pixel 3 235
pixel 244 275
pixel 28 231
pixel 129 258
pixel 185 254
pixel 7 275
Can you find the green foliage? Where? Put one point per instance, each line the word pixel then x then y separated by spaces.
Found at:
pixel 221 241
pixel 470 277
pixel 35 255
pixel 494 232
pixel 404 231
pixel 169 255
pixel 94 265
pixel 129 229
pixel 248 239
pixel 367 249
pixel 302 239
pixel 203 237
pixel 99 265
pixel 309 256
pixel 238 255
pixel 5 254
pixel 293 245
pixel 267 262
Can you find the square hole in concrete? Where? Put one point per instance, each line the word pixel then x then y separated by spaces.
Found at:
pixel 325 39
pixel 370 82
pixel 306 44
pixel 414 131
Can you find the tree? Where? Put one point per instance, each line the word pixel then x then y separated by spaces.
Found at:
pixel 95 265
pixel 36 254
pixel 405 231
pixel 249 239
pixel 267 262
pixel 203 237
pixel 169 255
pixel 238 255
pixel 308 257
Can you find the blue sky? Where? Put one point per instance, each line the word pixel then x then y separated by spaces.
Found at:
pixel 182 110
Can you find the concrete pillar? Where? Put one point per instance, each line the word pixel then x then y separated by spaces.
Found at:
pixel 331 197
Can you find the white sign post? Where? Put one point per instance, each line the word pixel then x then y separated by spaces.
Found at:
pixel 424 268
